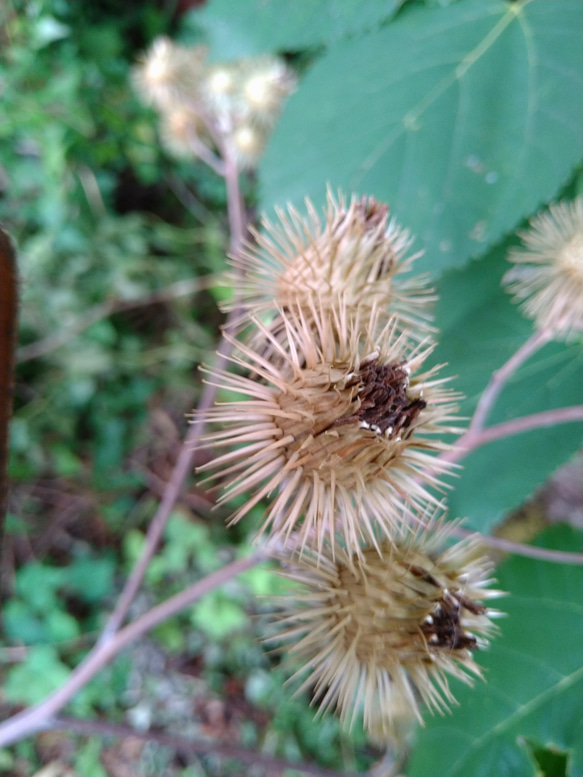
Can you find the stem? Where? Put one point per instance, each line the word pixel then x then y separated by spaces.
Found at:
pixel 184 463
pixel 520 549
pixel 202 151
pixel 472 440
pixel 187 199
pixel 236 213
pixel 112 639
pixel 189 746
pixel 39 716
pixel 501 376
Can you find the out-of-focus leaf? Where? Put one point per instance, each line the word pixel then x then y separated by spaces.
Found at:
pixel 41 673
pixel 534 673
pixel 37 584
pixel 251 27
pixel 463 118
pixel 217 616
pixel 87 759
pixel 91 579
pixel 21 624
pixel 480 330
pixel 47 30
pixel 61 626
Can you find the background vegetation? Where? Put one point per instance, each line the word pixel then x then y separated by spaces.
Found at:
pixel 466 117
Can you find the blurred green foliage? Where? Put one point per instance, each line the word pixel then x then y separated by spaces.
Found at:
pixel 86 196
pixel 466 117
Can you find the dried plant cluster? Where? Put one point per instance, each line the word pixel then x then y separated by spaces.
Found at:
pixel 380 633
pixel 336 426
pixel 232 106
pixel 547 278
pixel 355 260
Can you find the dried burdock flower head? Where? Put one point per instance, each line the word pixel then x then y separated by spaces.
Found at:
pixel 237 102
pixel 357 253
pixel 248 144
pixel 337 434
pixel 548 276
pixel 265 83
pixel 169 73
pixel 396 724
pixel 181 128
pixel 220 86
pixel 378 635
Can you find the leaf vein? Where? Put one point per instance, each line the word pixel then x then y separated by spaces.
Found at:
pixel 522 712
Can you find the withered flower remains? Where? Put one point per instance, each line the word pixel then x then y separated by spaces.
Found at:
pixel 231 105
pixel 382 634
pixel 548 274
pixel 337 435
pixel 333 420
pixel 169 74
pixel 357 255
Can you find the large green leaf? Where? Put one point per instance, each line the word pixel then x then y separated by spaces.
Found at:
pixel 480 330
pixel 463 118
pixel 245 28
pixel 534 674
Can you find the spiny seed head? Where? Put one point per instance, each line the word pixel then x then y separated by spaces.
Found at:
pixel 377 634
pixel 356 254
pixel 548 276
pixel 221 80
pixel 395 726
pixel 265 84
pixel 169 73
pixel 337 434
pixel 179 126
pixel 219 89
pixel 248 144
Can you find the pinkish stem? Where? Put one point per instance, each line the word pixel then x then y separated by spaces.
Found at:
pixel 183 467
pixel 508 546
pixel 501 376
pixel 475 439
pixel 39 716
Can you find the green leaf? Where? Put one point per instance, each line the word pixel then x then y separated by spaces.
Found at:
pixel 171 635
pixel 264 581
pixel 47 30
pixel 65 462
pixel 61 626
pixel 247 28
pixel 22 625
pixel 218 617
pixel 534 677
pixel 463 118
pixel 87 759
pixel 133 545
pixel 6 761
pixel 480 330
pixel 37 584
pixel 41 674
pixel 91 579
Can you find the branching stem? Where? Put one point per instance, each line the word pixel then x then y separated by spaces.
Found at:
pixel 189 746
pixel 39 717
pixel 500 377
pixel 520 549
pixel 475 439
pixel 115 638
pixel 185 458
